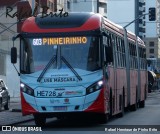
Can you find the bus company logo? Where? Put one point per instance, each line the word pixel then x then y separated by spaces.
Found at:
pixel 60 79
pixel 73 93
pixel 66 100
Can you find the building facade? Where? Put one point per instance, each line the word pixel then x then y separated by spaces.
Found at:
pixel 152 40
pixel 152 47
pixel 158 18
pixel 8 28
pixel 80 5
pixel 150 26
pixel 140 9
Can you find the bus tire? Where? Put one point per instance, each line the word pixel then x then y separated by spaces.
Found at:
pixel 142 104
pixel 110 102
pixel 134 106
pixel 39 120
pixel 103 118
pixel 121 114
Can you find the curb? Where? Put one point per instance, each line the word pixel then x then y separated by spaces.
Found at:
pixel 15 110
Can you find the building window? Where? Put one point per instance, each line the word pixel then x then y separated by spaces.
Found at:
pixel 151 50
pixel 140 12
pixel 75 1
pixel 68 5
pixel 151 44
pixel 3 64
pixel 49 4
pixel 144 23
pixel 140 21
pixel 151 56
pixel 52 7
pixel 141 29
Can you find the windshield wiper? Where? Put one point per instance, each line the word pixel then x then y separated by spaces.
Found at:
pixel 71 68
pixel 52 60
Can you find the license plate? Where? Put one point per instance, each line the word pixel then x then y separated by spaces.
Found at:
pixel 47 93
pixel 60 108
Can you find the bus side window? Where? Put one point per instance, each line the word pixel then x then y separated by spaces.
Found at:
pixel 109 54
pixel 108 49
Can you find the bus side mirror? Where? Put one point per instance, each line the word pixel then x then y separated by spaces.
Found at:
pixel 13 55
pixel 109 54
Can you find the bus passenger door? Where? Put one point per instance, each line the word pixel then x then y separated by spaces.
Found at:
pixel 109 71
pixel 114 90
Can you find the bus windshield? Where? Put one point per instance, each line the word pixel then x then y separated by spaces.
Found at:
pixel 80 52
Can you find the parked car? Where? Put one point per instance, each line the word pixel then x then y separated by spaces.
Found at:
pixel 152 83
pixel 4 96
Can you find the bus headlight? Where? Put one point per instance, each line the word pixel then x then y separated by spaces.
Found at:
pixel 27 89
pixel 94 87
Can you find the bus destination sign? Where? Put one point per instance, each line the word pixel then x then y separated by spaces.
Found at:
pixel 60 41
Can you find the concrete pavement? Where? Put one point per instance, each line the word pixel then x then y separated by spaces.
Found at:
pixel 13 116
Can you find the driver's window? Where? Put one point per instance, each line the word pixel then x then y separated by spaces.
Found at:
pixel 26 57
pixel 108 48
pixel 94 55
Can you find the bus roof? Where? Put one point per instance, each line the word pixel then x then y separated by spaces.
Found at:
pixel 74 22
pixel 115 28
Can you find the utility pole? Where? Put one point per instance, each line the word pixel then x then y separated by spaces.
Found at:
pixel 97 6
pixel 151 18
pixel 33 6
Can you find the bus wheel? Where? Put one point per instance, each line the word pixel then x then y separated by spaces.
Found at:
pixel 110 104
pixel 121 114
pixel 133 107
pixel 39 120
pixel 142 104
pixel 103 118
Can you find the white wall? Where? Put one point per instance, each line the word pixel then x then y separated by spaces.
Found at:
pixel 11 78
pixel 84 6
